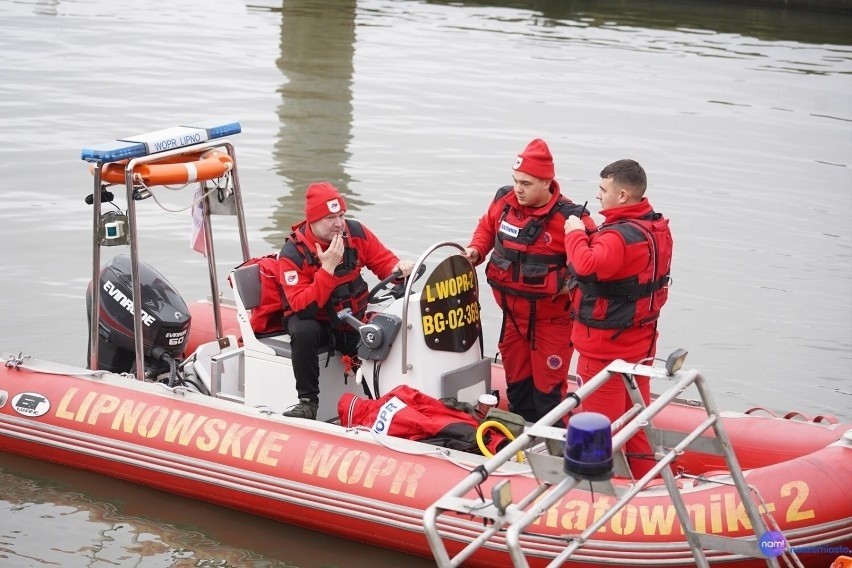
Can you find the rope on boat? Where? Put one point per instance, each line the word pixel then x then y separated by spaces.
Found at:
pixel 178 389
pixel 217 186
pixel 14 362
pixel 17 362
pixel 442 452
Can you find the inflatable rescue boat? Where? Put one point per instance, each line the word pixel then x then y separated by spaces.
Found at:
pixel 188 399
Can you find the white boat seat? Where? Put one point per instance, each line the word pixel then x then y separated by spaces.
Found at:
pixel 246 282
pixel 279 342
pixel 267 377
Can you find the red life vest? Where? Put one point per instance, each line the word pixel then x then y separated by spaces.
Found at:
pixel 515 268
pixel 624 305
pixel 405 412
pixel 352 292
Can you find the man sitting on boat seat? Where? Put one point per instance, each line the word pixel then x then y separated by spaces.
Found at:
pixel 321 264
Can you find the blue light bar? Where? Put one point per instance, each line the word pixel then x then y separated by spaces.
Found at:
pixel 113 151
pixel 217 128
pixel 160 140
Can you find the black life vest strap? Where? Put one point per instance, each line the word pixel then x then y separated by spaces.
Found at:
pixel 523 257
pixel 531 296
pixel 303 251
pixel 531 326
pixel 508 313
pixel 623 290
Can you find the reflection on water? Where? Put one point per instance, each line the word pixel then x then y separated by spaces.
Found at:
pixel 708 16
pixel 93 532
pixel 92 521
pixel 317 47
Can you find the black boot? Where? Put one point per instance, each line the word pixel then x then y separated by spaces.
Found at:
pixel 306 409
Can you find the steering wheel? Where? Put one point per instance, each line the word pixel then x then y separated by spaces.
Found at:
pixel 396 291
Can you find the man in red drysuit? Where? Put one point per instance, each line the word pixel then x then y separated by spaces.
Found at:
pixel 524 225
pixel 621 272
pixel 320 265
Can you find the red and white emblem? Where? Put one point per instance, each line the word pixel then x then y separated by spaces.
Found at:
pixel 291 277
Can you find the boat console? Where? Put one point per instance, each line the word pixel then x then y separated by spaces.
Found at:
pixel 429 339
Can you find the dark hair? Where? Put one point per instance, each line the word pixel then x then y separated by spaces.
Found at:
pixel 628 174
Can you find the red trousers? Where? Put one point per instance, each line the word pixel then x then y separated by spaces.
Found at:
pixel 612 400
pixel 536 379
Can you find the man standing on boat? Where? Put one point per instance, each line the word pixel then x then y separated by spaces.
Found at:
pixel 320 265
pixel 621 272
pixel 524 225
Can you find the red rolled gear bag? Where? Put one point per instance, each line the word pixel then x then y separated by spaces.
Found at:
pixel 268 316
pixel 405 412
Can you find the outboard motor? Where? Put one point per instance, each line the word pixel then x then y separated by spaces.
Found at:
pixel 165 319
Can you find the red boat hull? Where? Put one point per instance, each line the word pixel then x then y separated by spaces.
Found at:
pixel 345 483
pixel 749 434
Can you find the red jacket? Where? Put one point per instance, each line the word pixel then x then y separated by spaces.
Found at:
pixel 622 275
pixel 528 259
pixel 313 293
pixel 405 412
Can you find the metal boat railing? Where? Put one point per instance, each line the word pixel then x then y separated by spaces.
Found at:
pixel 132 233
pixel 509 520
pixel 409 284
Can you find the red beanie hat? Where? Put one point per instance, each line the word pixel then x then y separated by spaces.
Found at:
pixel 322 199
pixel 535 160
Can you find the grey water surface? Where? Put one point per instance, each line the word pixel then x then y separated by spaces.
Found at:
pixel 742 117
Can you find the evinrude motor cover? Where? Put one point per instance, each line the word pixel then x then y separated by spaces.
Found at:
pixel 165 316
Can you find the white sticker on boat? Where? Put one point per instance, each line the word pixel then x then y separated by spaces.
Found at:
pixel 386 414
pixel 30 404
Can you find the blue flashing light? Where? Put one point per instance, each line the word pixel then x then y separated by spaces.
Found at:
pixel 217 128
pixel 588 446
pixel 113 151
pixel 160 140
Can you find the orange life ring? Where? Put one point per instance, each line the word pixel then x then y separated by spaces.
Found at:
pixel 175 170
